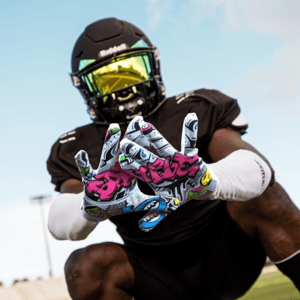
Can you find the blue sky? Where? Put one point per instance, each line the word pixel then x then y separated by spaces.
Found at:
pixel 246 49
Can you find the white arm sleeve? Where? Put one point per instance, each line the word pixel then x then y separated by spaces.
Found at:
pixel 66 221
pixel 242 176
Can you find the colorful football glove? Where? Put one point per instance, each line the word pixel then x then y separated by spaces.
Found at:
pixel 180 175
pixel 110 191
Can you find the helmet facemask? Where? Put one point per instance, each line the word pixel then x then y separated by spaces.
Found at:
pixel 121 85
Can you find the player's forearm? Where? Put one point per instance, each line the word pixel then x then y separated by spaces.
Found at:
pixel 242 175
pixel 66 221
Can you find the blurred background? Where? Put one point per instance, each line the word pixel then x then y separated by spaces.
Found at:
pixel 246 49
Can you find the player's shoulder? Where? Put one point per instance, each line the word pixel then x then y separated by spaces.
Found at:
pixel 74 134
pixel 211 96
pixel 75 138
pixel 207 102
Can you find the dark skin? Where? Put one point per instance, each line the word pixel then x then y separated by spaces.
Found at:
pixel 272 217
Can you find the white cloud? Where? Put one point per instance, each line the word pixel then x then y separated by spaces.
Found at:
pixel 276 17
pixel 156 12
pixel 278 80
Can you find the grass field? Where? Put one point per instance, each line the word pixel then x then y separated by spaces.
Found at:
pixel 272 285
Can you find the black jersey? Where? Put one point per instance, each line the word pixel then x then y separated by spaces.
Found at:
pixel 214 110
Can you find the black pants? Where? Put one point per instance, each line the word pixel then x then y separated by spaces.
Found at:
pixel 223 266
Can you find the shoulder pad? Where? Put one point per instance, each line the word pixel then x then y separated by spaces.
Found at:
pixel 181 97
pixel 239 121
pixel 240 124
pixel 213 96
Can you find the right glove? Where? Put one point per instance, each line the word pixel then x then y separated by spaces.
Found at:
pixel 181 175
pixel 110 191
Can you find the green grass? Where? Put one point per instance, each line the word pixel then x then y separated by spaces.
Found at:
pixel 272 286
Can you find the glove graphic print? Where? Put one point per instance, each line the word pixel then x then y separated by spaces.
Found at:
pixel 110 191
pixel 181 175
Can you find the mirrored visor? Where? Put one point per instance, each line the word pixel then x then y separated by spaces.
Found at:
pixel 119 73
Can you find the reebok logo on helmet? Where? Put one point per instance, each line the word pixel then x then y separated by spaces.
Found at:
pixel 114 49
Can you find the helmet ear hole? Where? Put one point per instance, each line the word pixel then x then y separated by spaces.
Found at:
pixel 102 43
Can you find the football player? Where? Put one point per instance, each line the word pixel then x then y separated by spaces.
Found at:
pixel 206 209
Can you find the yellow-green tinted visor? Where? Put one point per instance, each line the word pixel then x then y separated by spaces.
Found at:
pixel 121 72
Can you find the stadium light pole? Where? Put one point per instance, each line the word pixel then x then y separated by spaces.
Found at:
pixel 40 200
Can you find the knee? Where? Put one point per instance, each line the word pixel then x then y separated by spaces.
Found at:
pixel 89 270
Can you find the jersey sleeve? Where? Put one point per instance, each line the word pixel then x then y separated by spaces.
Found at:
pixel 61 165
pixel 218 111
pixel 61 162
pixel 215 110
pixel 228 113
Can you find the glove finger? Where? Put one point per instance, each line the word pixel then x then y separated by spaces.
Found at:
pixel 189 135
pixel 141 170
pixel 137 153
pixel 109 150
pixel 151 220
pixel 133 133
pixel 127 163
pixel 83 164
pixel 162 146
pixel 145 165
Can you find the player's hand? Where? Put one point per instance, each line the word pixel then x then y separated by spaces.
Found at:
pixel 181 175
pixel 110 191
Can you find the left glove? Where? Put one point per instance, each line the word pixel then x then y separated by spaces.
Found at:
pixel 110 191
pixel 181 175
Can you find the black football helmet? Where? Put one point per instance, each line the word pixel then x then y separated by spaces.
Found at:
pixel 117 71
